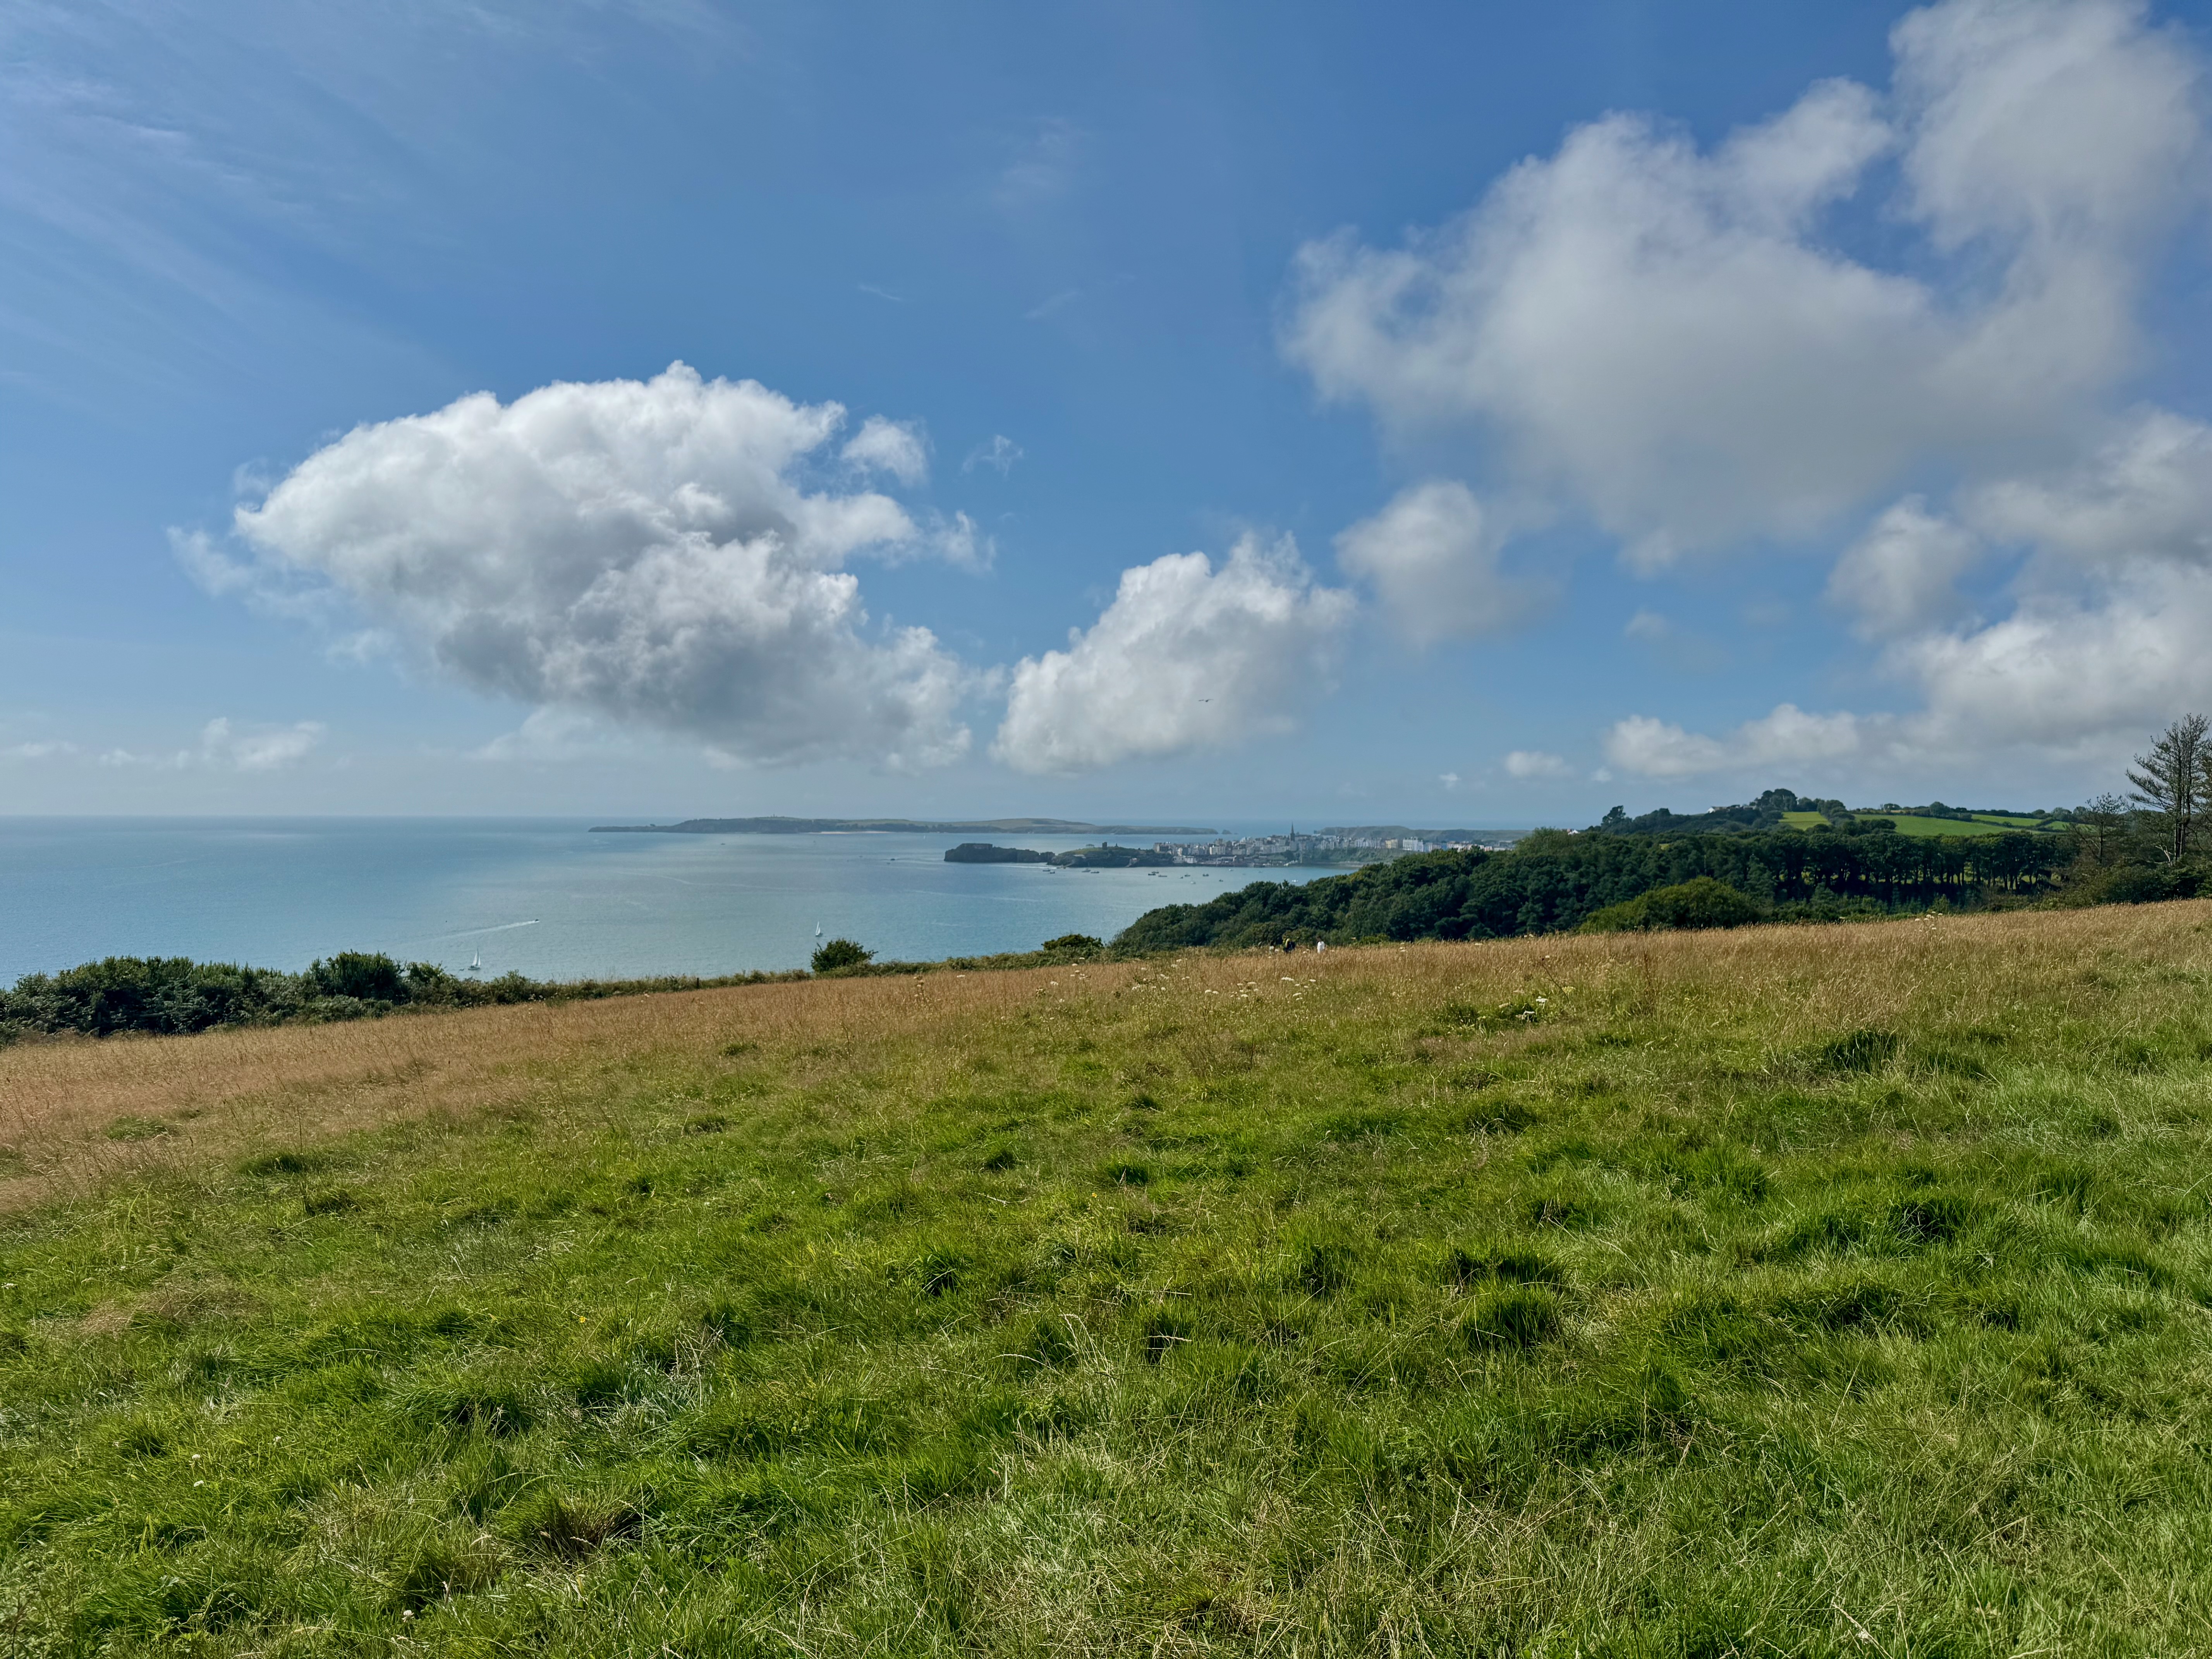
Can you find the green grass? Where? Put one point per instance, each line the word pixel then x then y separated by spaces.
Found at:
pixel 1909 823
pixel 1913 823
pixel 1646 1295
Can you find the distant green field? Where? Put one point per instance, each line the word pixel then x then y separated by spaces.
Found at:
pixel 1984 824
pixel 1911 824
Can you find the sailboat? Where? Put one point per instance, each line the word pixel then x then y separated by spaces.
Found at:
pixel 476 964
pixel 817 930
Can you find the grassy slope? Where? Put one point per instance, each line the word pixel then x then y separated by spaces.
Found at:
pixel 1685 1295
pixel 1911 824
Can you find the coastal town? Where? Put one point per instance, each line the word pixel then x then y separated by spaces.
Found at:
pixel 1340 846
pixel 1335 849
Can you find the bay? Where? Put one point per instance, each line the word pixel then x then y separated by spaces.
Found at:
pixel 538 896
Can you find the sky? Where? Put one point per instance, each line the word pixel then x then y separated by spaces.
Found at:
pixel 1454 414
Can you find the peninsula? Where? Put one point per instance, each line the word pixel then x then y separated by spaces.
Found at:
pixel 782 826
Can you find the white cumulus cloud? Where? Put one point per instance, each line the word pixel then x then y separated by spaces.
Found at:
pixel 1689 345
pixel 258 748
pixel 1668 338
pixel 1533 763
pixel 1903 574
pixel 641 551
pixel 2105 641
pixel 892 447
pixel 1187 657
pixel 2111 607
pixel 1787 737
pixel 1432 556
pixel 226 747
pixel 2061 676
pixel 2144 496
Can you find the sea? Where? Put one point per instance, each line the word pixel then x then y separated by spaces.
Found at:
pixel 542 896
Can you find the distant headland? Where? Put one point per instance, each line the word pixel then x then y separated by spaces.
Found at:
pixel 781 826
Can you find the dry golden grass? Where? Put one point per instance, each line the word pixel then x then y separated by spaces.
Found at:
pixel 197 1099
pixel 216 1095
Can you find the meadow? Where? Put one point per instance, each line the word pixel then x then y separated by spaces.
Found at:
pixel 1766 1292
pixel 1918 823
pixel 1982 823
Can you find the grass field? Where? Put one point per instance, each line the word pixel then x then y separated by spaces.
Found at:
pixel 1913 823
pixel 1910 823
pixel 1626 1295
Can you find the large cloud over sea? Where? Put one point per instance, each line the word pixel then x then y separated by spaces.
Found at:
pixel 1188 657
pixel 671 554
pixel 668 553
pixel 1673 343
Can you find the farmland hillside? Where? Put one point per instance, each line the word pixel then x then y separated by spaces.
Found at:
pixel 1659 1293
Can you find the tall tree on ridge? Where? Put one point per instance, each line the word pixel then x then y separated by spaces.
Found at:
pixel 2102 826
pixel 2173 781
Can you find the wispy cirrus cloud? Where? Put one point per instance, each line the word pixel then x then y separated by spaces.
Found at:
pixel 999 454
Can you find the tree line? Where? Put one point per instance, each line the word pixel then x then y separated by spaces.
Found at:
pixel 1718 869
pixel 172 995
pixel 1738 864
pixel 1554 880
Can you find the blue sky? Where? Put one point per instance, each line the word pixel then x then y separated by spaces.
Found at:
pixel 1469 414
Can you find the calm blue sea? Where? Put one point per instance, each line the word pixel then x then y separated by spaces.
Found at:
pixel 538 896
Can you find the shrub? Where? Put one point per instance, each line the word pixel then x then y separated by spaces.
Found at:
pixel 364 975
pixel 840 953
pixel 1702 902
pixel 2136 883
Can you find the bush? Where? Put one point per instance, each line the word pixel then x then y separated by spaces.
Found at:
pixel 364 975
pixel 2136 883
pixel 840 953
pixel 1073 942
pixel 1702 902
